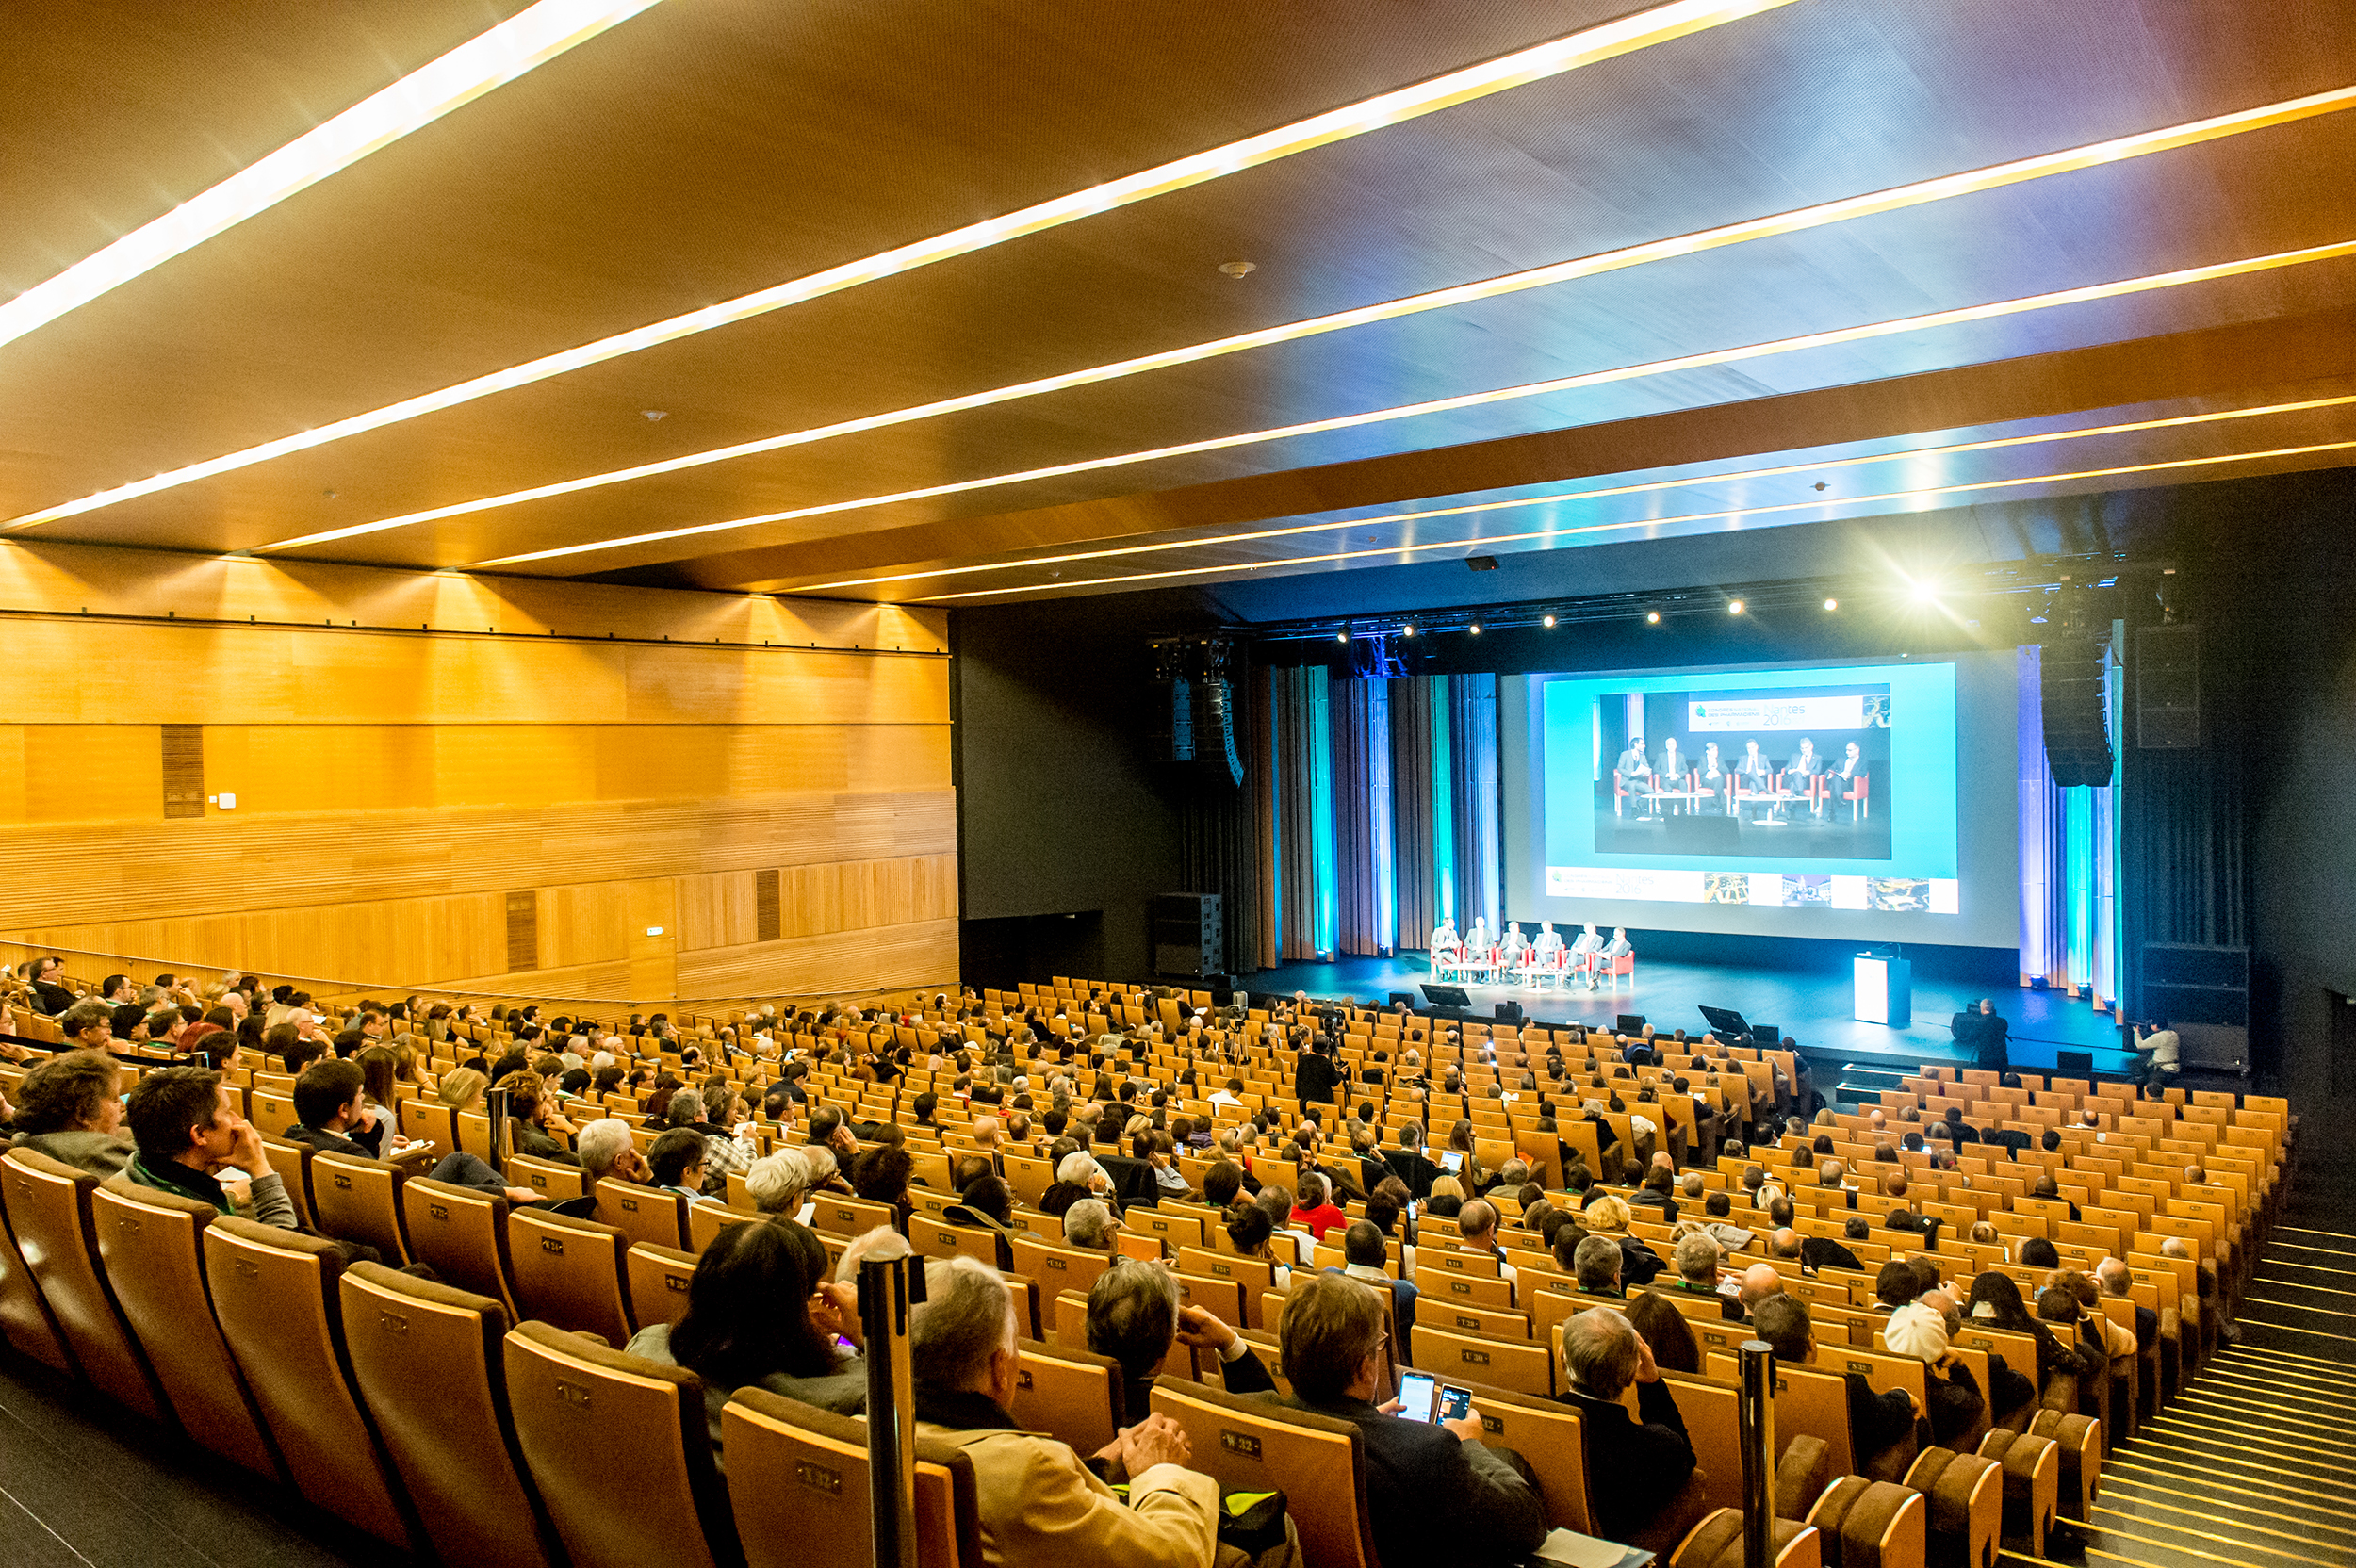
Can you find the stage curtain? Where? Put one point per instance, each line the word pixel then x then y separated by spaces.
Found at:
pixel 1366 917
pixel 1418 893
pixel 2044 923
pixel 1301 741
pixel 1473 796
pixel 2185 872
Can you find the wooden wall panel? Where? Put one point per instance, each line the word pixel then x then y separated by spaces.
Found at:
pixel 923 953
pixel 394 787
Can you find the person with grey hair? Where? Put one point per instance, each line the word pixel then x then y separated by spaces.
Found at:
pixel 606 1153
pixel 1596 1264
pixel 1649 1456
pixel 778 1183
pixel 883 1243
pixel 1080 1170
pixel 1040 1506
pixel 1697 1262
pixel 1090 1223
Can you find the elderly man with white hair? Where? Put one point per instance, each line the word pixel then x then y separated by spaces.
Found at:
pixel 606 1153
pixel 1090 1223
pixel 778 1183
pixel 1040 1506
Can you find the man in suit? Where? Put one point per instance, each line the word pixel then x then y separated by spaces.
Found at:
pixel 1647 1456
pixel 1753 773
pixel 1364 1249
pixel 1673 765
pixel 1314 1075
pixel 1435 1492
pixel 1805 765
pixel 2113 1276
pixel 1844 772
pixel 48 996
pixel 1635 772
pixel 1618 947
pixel 1714 777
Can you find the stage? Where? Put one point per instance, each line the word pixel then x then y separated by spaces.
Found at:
pixel 1812 1008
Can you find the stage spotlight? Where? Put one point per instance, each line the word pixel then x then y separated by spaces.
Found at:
pixel 1734 607
pixel 1341 636
pixel 1652 617
pixel 1832 604
pixel 1407 632
pixel 1474 628
pixel 1549 620
pixel 1926 591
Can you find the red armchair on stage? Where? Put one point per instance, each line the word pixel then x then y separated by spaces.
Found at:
pixel 1856 795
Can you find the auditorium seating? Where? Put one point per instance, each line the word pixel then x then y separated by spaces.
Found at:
pixel 335 1388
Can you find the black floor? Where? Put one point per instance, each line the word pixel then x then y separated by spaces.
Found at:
pixel 85 1485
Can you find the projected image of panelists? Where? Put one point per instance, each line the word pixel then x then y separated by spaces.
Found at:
pixel 1796 772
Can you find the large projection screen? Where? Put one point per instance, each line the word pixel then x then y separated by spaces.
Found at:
pixel 1873 801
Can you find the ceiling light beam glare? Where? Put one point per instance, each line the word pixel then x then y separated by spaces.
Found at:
pixel 1474 400
pixel 1626 35
pixel 521 44
pixel 1920 192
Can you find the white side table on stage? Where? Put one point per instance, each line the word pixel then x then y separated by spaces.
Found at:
pixel 1884 990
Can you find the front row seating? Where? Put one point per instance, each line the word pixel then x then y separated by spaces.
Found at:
pixel 779 1448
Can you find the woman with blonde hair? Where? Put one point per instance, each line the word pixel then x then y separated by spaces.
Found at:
pixel 461 1088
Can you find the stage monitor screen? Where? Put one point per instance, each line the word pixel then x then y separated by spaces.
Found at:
pixel 1871 801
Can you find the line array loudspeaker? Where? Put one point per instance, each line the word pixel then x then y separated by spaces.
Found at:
pixel 2077 719
pixel 2168 687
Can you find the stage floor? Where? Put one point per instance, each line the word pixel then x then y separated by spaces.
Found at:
pixel 1812 1008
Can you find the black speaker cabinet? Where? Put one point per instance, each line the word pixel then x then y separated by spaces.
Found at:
pixel 1189 933
pixel 2077 727
pixel 2167 688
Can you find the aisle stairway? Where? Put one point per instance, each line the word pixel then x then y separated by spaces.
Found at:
pixel 2254 1465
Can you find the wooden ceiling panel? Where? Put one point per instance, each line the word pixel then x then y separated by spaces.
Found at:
pixel 710 147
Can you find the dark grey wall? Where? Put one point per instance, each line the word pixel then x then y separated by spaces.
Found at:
pixel 1061 805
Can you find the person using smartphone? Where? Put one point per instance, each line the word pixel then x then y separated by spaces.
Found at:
pixel 1436 1491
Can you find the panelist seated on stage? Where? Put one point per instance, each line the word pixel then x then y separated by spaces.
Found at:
pixel 1674 766
pixel 1514 948
pixel 1753 773
pixel 1713 778
pixel 1616 948
pixel 1633 768
pixel 1805 765
pixel 1584 947
pixel 1845 773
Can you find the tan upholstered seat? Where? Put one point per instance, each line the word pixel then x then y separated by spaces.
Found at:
pixel 1522 1368
pixel 780 1448
pixel 644 1214
pixel 150 1244
pixel 428 1362
pixel 1552 1438
pixel 554 1180
pixel 1717 1542
pixel 2079 1443
pixel 569 1272
pixel 359 1200
pixel 1870 1524
pixel 2032 1482
pixel 49 1211
pixel 459 1234
pixel 1066 1392
pixel 275 1294
pixel 705 1222
pixel 1967 1503
pixel 1059 1269
pixel 1253 1446
pixel 25 1316
pixel 292 1161
pixel 659 1277
pixel 846 1217
pixel 619 1447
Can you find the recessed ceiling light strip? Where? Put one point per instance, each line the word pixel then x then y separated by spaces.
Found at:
pixel 1626 35
pixel 1647 487
pixel 1474 400
pixel 1738 514
pixel 524 41
pixel 1919 192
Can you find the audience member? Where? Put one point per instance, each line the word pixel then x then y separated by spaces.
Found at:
pixel 1647 1460
pixel 189 1132
pixel 1882 1433
pixel 67 1109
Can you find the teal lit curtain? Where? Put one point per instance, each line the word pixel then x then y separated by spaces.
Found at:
pixel 1298 739
pixel 2068 859
pixel 1364 814
pixel 1412 858
pixel 1473 798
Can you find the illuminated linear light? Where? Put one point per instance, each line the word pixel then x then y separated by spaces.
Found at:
pixel 1625 36
pixel 1474 400
pixel 1646 487
pixel 521 44
pixel 1920 192
pixel 1740 514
